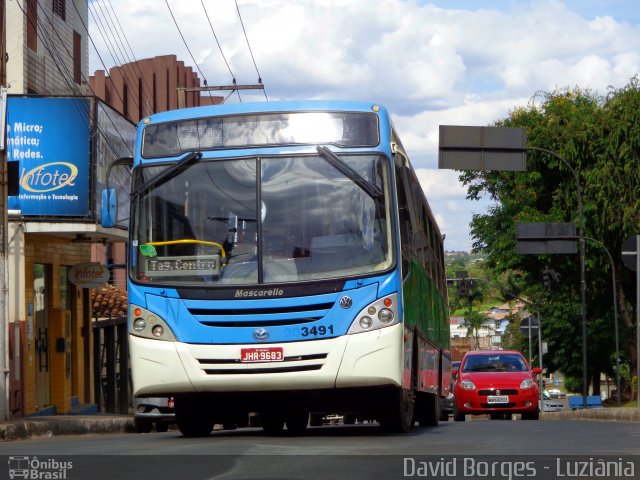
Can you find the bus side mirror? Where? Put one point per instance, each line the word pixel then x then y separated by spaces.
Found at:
pixel 109 212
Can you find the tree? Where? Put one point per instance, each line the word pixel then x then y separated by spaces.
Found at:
pixel 474 321
pixel 600 138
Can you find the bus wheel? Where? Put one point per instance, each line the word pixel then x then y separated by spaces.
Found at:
pixel 429 411
pixel 162 427
pixel 142 426
pixel 399 417
pixel 349 418
pixel 297 422
pixel 315 419
pixel 193 417
pixel 272 423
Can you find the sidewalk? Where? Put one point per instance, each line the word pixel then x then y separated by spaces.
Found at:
pixel 65 425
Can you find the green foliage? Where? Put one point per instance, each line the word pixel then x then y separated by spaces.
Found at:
pixel 599 136
pixel 572 384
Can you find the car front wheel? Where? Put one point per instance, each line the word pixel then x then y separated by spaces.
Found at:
pixel 457 416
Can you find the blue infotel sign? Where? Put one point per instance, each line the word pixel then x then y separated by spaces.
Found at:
pixel 49 138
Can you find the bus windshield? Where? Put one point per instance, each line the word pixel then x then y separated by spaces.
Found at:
pixel 261 220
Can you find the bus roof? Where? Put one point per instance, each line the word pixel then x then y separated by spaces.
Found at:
pixel 271 106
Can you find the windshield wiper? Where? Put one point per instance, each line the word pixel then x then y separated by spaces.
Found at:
pixel 170 172
pixel 372 190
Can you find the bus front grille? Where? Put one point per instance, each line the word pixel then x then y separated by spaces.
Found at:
pixel 296 363
pixel 272 316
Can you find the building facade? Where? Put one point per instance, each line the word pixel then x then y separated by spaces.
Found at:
pixel 49 317
pixel 147 86
pixel 53 339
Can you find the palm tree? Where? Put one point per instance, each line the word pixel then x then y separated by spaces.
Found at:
pixel 474 321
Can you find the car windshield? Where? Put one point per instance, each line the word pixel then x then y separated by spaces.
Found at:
pixel 261 220
pixel 500 362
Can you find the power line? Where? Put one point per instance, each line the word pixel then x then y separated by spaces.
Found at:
pixel 250 52
pixel 187 46
pixel 114 56
pixel 135 60
pixel 66 76
pixel 216 37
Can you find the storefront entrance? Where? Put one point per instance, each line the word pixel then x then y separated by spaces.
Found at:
pixel 41 288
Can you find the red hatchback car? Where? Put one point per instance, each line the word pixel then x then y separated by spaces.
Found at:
pixel 498 383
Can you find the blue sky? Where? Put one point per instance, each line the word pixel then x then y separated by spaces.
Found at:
pixel 621 10
pixel 438 62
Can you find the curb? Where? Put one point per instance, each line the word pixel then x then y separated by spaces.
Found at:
pixel 65 425
pixel 612 414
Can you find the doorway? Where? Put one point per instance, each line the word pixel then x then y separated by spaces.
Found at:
pixel 41 289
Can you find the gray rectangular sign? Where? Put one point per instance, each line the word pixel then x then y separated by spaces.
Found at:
pixel 546 238
pixel 482 148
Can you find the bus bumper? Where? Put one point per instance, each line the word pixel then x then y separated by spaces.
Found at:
pixel 365 359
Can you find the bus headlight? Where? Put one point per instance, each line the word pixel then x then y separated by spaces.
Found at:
pixel 366 322
pixel 157 331
pixel 139 325
pixel 146 324
pixel 385 316
pixel 379 314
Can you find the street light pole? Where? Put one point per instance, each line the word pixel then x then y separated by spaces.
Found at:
pixel 583 283
pixel 504 149
pixel 615 315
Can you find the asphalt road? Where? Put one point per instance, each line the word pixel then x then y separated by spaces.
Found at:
pixel 360 451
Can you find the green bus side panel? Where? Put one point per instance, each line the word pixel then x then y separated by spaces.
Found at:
pixel 426 307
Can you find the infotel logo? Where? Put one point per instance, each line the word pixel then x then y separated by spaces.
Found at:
pixel 49 177
pixel 261 334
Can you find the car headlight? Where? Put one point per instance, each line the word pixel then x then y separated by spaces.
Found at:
pixel 526 384
pixel 143 323
pixel 467 385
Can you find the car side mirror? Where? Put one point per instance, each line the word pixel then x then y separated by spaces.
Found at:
pixel 536 370
pixel 454 372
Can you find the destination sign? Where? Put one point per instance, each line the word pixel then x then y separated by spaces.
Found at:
pixel 183 266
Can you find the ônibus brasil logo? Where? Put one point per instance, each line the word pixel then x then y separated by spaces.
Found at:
pixel 49 177
pixel 33 468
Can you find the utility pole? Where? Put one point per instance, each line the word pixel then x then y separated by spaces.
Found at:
pixel 4 297
pixel 182 91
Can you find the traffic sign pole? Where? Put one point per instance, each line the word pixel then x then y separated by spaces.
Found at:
pixel 638 320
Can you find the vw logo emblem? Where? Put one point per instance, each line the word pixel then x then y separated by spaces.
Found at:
pixel 261 334
pixel 346 302
pixel 498 392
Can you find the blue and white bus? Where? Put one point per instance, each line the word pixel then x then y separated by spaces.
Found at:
pixel 284 260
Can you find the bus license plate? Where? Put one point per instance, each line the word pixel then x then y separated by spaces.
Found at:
pixel 498 399
pixel 263 354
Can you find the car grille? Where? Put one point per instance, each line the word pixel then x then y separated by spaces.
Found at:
pixel 492 391
pixel 498 406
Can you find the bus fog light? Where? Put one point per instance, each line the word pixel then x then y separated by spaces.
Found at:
pixel 157 331
pixel 371 310
pixel 139 324
pixel 385 316
pixel 366 322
